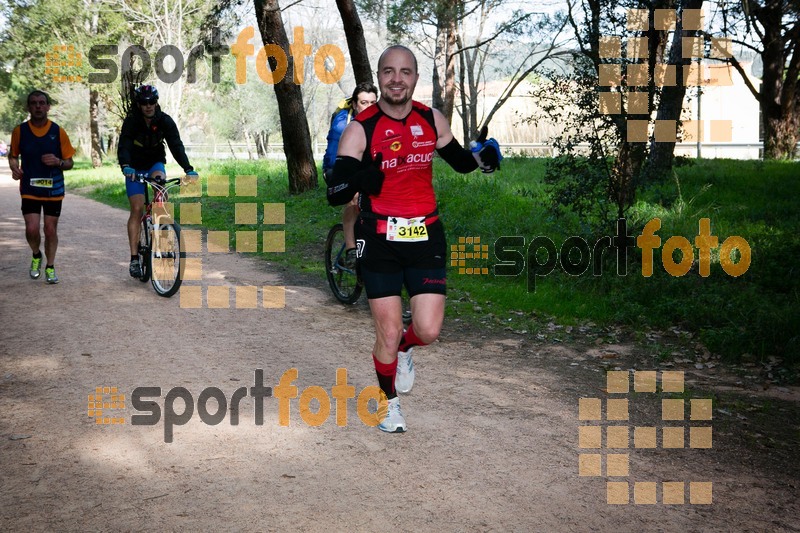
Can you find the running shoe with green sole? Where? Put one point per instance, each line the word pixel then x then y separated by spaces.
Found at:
pixel 36 267
pixel 50 275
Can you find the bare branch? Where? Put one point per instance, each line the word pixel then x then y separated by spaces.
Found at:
pixel 735 62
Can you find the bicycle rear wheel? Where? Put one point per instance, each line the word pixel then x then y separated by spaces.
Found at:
pixel 166 259
pixel 144 251
pixel 344 281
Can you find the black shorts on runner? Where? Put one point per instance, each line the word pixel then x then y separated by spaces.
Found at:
pixel 50 208
pixel 386 266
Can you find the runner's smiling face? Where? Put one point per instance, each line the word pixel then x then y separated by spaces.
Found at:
pixel 397 76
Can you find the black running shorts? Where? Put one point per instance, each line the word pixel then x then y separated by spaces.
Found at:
pixel 50 208
pixel 386 266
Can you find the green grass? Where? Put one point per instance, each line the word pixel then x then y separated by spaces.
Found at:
pixel 755 314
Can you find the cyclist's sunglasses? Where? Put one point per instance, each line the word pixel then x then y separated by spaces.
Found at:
pixel 149 101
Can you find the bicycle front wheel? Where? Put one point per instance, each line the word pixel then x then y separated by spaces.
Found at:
pixel 166 259
pixel 342 278
pixel 144 250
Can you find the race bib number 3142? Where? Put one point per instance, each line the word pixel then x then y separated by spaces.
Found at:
pixel 406 229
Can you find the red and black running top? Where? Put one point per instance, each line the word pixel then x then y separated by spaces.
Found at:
pixel 407 146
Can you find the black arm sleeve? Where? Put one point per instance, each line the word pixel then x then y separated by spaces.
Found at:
pixel 173 138
pixel 343 185
pixel 351 176
pixel 458 157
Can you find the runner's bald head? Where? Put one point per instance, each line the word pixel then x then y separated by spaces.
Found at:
pixel 398 47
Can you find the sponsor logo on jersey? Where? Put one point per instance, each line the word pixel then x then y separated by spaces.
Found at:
pixel 406 160
pixel 422 144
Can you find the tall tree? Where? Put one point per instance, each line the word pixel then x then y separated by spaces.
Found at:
pixel 444 56
pixel 661 154
pixel 354 32
pixel 294 125
pixel 45 33
pixel 543 38
pixel 464 38
pixel 775 24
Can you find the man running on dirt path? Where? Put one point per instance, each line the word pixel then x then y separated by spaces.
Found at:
pixel 387 154
pixel 46 153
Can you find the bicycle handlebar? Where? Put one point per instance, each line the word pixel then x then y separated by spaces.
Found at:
pixel 144 177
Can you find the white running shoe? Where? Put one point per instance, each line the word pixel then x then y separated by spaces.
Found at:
pixel 404 378
pixel 393 422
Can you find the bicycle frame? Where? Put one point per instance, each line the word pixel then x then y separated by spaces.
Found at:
pixel 160 197
pixel 156 218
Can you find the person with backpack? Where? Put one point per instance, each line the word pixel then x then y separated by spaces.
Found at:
pixel 364 95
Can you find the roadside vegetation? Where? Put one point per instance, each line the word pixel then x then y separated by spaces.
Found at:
pixel 753 317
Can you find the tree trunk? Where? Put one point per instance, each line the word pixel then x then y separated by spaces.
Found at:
pixel 450 73
pixel 247 145
pixel 111 143
pixel 780 133
pixel 302 169
pixel 94 128
pixel 439 51
pixel 354 32
pixel 463 91
pixel 260 151
pixel 660 159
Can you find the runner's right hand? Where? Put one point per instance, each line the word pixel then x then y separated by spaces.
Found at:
pixel 129 172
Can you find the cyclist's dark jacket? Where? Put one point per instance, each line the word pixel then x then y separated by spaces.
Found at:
pixel 407 146
pixel 141 147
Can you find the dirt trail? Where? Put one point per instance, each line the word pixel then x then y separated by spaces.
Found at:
pixel 493 422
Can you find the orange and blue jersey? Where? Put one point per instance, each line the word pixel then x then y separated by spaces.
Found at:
pixel 30 143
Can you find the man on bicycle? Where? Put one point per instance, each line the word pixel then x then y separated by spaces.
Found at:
pixel 386 153
pixel 141 149
pixel 364 95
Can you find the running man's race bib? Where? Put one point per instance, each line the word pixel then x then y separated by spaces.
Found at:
pixel 406 229
pixel 42 182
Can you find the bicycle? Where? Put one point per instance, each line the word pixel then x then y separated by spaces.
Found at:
pixel 345 282
pixel 160 256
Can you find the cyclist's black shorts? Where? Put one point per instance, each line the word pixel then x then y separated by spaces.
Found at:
pixel 51 208
pixel 386 266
